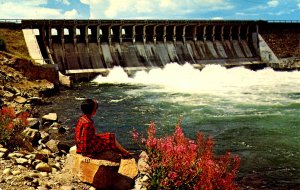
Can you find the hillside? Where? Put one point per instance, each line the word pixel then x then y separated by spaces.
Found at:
pixel 14 41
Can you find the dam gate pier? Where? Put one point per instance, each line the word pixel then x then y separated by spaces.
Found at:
pixel 87 47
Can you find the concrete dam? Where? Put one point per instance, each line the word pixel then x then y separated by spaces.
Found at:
pixel 94 46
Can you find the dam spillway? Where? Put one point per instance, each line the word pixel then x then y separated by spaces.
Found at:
pixel 93 45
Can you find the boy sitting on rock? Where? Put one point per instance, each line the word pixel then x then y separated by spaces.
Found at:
pixel 89 143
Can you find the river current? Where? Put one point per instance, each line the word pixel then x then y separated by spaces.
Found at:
pixel 254 114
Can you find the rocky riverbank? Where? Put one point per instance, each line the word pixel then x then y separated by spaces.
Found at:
pixel 42 168
pixel 19 91
pixel 44 163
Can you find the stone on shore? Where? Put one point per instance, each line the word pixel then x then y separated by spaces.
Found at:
pixel 143 166
pixel 52 145
pixel 128 168
pixel 32 135
pixel 103 174
pixel 50 117
pixel 20 100
pixel 33 123
pixel 4 150
pixel 43 167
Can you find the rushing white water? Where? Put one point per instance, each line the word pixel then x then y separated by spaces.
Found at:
pixel 237 83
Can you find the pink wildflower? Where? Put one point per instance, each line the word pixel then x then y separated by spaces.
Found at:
pixel 135 134
pixel 172 175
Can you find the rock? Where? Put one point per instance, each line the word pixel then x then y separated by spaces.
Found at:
pixel 4 150
pixel 67 188
pixel 8 95
pixel 21 167
pixel 36 100
pixel 145 178
pixel 7 171
pixel 72 150
pixel 30 156
pixel 33 123
pixel 56 146
pixel 54 170
pixel 128 168
pixel 15 155
pixel 35 181
pixel 45 152
pixel 43 167
pixel 55 125
pixel 17 172
pixel 44 174
pixel 20 100
pixel 42 188
pixel 57 165
pixel 34 175
pixel 21 161
pixel 143 166
pixel 9 178
pixel 46 124
pixel 102 174
pixel 50 117
pixel 2 155
pixel 52 145
pixel 42 156
pixel 45 136
pixel 33 135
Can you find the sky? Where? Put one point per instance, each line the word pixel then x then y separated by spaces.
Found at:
pixel 151 9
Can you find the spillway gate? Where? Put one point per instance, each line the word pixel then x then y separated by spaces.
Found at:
pixel 79 46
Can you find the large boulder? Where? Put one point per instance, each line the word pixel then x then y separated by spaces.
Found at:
pixel 103 173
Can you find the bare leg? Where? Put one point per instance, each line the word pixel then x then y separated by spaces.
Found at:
pixel 121 148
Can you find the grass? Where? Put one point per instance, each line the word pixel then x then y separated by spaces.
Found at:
pixel 15 42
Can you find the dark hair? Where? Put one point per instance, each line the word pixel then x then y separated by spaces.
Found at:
pixel 88 106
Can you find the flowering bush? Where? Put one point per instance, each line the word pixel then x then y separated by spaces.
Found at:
pixel 11 127
pixel 176 162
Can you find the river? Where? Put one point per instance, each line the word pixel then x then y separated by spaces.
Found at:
pixel 254 114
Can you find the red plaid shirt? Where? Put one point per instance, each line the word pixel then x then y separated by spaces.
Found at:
pixel 88 142
pixel 85 136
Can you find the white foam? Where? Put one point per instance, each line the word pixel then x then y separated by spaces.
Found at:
pixel 212 79
pixel 212 85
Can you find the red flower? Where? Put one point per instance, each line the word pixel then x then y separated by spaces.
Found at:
pixel 177 162
pixel 9 112
pixel 10 126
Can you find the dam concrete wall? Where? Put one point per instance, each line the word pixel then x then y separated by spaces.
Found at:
pixel 102 44
pixel 79 46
